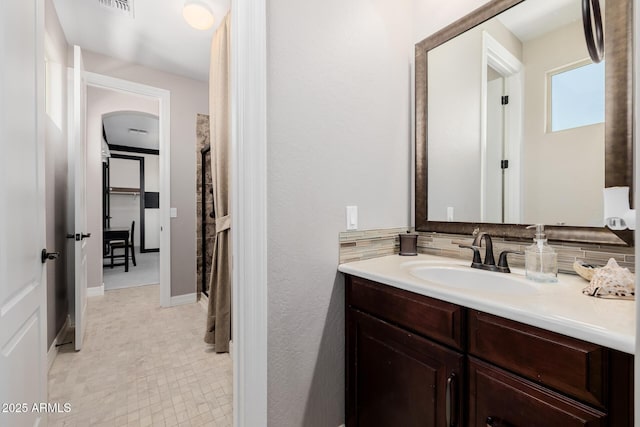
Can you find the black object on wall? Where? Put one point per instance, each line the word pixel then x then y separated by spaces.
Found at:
pixel 128 149
pixel 151 200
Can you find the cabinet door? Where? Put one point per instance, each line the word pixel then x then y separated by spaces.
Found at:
pixel 500 399
pixel 396 378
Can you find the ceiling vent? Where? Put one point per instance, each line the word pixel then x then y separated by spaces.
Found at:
pixel 123 7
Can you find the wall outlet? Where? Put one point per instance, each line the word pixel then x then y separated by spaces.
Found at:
pixel 450 213
pixel 352 217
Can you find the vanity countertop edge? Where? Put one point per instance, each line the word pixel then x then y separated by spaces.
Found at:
pixel 558 307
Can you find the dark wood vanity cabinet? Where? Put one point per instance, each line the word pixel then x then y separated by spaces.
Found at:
pixel 413 360
pixel 399 378
pixel 498 398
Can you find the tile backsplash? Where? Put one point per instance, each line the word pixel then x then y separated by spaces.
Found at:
pixel 365 244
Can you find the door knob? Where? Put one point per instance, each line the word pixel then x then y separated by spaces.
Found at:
pixel 85 236
pixel 44 255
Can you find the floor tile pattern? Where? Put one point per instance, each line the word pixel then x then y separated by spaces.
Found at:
pixel 142 365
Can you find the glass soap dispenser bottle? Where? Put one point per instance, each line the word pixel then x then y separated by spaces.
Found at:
pixel 540 259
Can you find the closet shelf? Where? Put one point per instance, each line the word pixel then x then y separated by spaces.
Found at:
pixel 124 190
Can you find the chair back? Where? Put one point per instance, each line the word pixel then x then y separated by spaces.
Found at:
pixel 133 230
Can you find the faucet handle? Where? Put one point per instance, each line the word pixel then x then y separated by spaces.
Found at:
pixel 477 260
pixel 503 266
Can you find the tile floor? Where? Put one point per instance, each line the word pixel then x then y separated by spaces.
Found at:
pixel 142 365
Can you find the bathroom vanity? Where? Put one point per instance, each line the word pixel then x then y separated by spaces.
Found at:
pixel 432 342
pixel 419 352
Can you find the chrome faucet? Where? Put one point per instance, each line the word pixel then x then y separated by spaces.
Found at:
pixel 489 261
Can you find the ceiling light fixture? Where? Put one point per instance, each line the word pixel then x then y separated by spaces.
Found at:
pixel 198 14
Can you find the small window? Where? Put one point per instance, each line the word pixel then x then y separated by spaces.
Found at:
pixel 577 96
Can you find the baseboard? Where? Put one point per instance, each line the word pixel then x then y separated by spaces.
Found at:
pixel 95 291
pixel 183 299
pixel 53 350
pixel 137 285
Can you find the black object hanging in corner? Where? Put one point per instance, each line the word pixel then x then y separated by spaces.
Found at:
pixel 592 24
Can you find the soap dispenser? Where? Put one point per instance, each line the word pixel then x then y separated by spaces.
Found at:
pixel 540 259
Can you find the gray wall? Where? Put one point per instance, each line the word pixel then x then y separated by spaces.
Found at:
pixel 339 126
pixel 338 134
pixel 188 97
pixel 56 171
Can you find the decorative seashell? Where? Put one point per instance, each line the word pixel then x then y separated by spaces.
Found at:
pixel 584 270
pixel 612 281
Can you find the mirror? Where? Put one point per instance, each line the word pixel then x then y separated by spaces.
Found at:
pixel 516 125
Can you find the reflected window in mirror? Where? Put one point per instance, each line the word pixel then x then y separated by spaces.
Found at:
pixel 576 96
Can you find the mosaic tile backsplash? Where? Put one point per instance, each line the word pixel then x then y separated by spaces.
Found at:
pixel 365 244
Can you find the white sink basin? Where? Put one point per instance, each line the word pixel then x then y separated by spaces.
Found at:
pixel 474 279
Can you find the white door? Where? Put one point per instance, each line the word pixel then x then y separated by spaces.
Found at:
pixel 493 191
pixel 77 196
pixel 23 328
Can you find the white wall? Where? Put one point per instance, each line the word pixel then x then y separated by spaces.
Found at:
pixel 550 197
pixel 338 134
pixel 99 102
pixel 188 98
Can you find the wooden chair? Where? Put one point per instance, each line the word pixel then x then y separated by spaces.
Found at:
pixel 122 245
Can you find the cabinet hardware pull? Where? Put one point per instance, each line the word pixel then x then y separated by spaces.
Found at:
pixel 451 400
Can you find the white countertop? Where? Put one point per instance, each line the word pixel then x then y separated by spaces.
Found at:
pixel 559 307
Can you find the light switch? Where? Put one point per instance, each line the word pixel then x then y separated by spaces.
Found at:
pixel 352 217
pixel 173 213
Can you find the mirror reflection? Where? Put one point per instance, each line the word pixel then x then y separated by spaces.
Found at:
pixel 516 121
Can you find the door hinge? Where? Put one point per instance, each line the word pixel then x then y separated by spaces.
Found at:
pixel 504 164
pixel 504 100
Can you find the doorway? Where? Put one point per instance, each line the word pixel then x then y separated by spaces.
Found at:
pixel 130 205
pixel 160 218
pixel 501 134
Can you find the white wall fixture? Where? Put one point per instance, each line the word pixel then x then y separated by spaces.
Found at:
pixel 198 14
pixel 617 213
pixel 352 217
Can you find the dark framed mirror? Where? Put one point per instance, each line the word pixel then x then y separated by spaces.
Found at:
pixel 547 167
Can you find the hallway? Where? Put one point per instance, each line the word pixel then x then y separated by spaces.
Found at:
pixel 142 365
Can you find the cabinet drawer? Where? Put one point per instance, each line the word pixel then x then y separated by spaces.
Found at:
pixel 426 316
pixel 498 398
pixel 574 367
